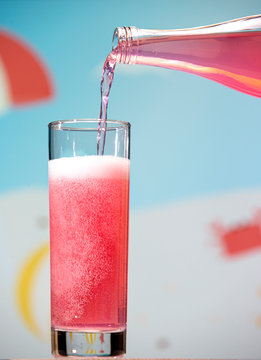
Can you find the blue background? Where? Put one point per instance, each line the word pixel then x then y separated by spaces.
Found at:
pixel 183 126
pixel 192 140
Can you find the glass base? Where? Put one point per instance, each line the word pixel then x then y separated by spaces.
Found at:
pixel 72 343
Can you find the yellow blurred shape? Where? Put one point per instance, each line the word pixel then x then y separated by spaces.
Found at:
pixel 25 284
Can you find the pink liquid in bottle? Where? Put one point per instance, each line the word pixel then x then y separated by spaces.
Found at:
pixel 231 59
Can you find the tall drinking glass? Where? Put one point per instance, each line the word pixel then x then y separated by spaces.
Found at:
pixel 89 213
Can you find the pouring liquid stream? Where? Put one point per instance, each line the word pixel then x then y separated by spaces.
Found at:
pixel 106 83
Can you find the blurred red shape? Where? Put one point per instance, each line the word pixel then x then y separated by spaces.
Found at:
pixel 241 239
pixel 28 79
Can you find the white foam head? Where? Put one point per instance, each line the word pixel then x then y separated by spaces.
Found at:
pixel 89 166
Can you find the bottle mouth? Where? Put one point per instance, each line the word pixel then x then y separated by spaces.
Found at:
pixel 122 45
pixel 121 37
pixel 115 39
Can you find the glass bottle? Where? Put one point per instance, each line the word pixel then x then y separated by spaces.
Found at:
pixel 228 53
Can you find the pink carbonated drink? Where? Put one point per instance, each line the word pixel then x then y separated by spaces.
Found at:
pixel 89 202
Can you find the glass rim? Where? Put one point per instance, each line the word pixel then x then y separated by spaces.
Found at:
pixel 64 124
